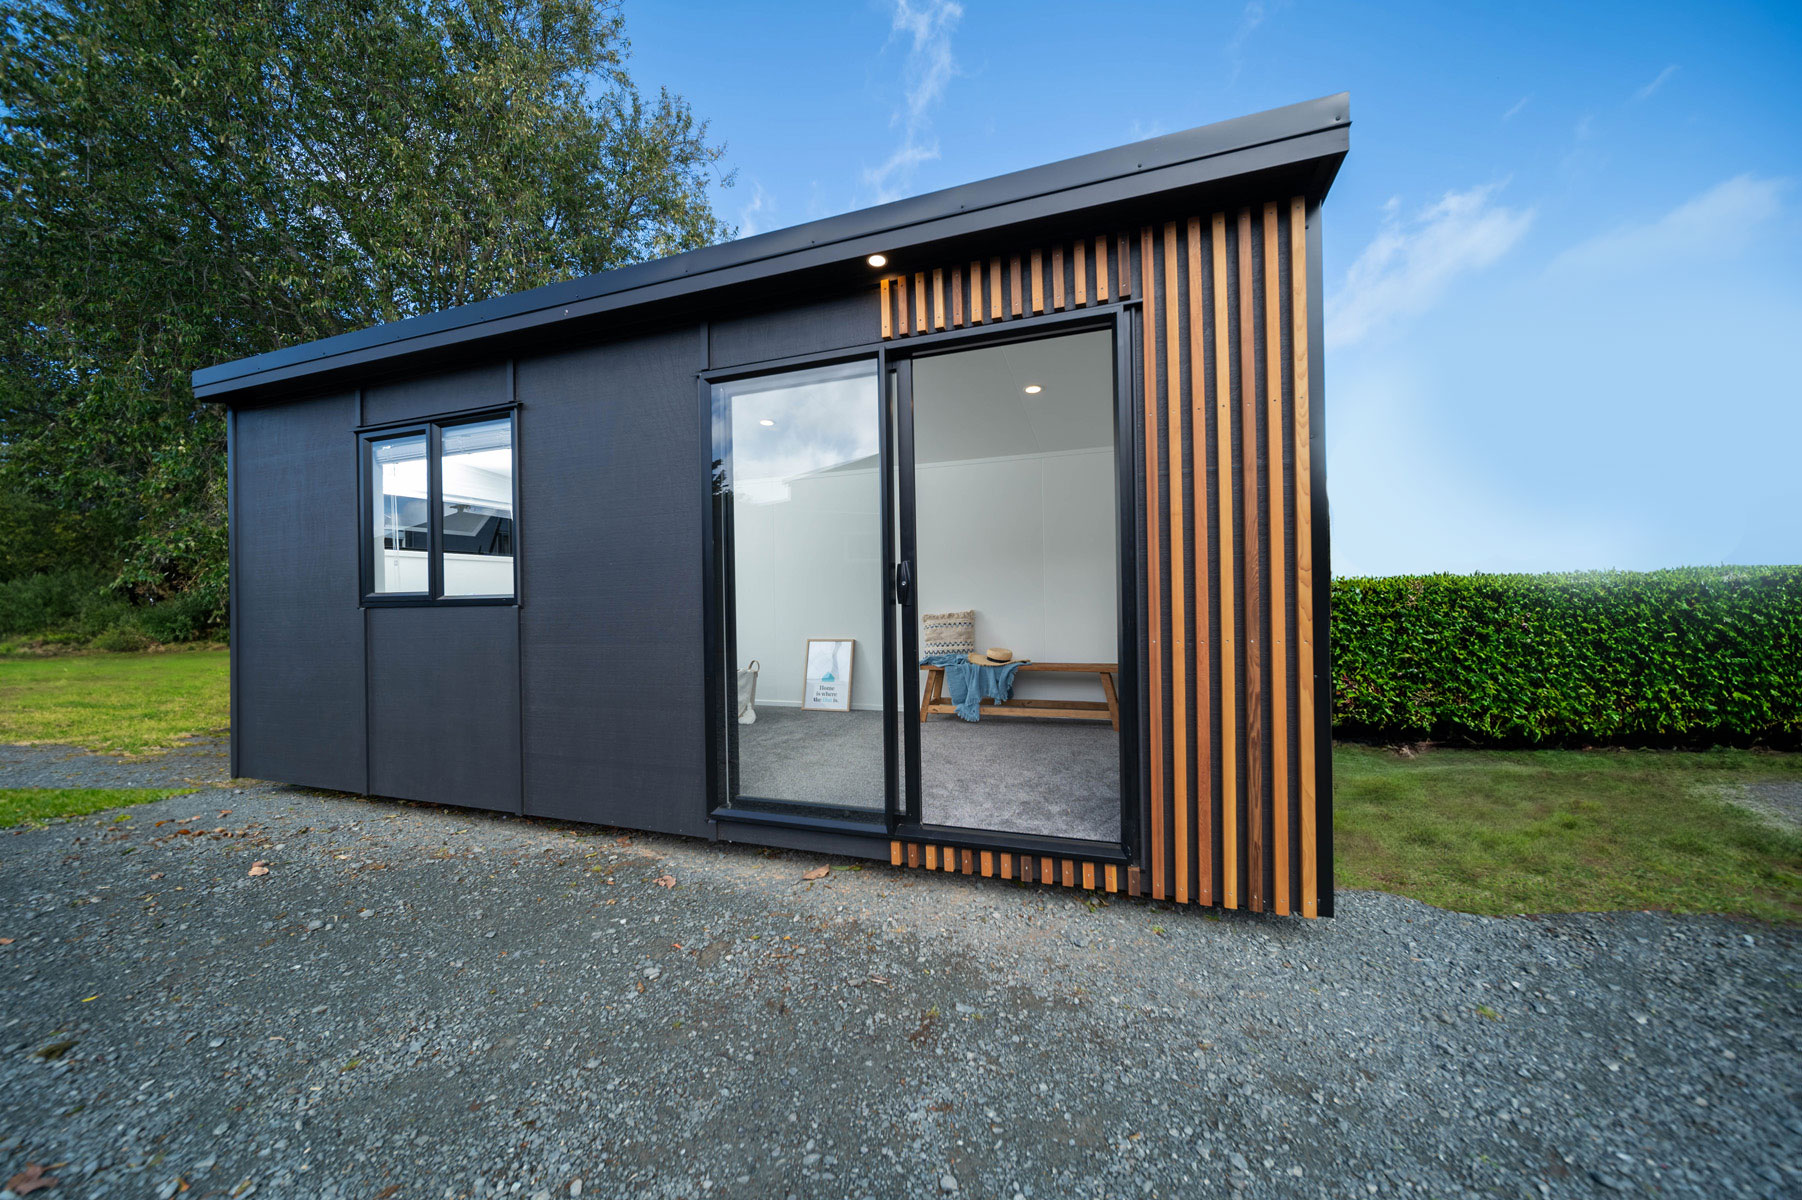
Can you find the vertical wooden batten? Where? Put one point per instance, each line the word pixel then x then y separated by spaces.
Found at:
pixel 1248 507
pixel 1223 508
pixel 1228 605
pixel 1198 518
pixel 1154 615
pixel 1304 554
pixel 1179 640
pixel 1275 486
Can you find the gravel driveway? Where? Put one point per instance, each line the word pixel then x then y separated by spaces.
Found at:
pixel 423 1002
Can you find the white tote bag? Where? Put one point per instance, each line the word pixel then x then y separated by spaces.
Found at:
pixel 747 694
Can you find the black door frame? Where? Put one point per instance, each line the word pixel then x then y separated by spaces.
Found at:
pixel 909 822
pixel 900 632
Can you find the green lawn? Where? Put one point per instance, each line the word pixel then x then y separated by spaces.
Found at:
pixel 1501 832
pixel 117 702
pixel 32 806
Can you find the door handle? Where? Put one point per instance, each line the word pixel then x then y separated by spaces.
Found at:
pixel 904 582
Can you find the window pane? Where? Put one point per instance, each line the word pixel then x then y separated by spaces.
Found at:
pixel 397 469
pixel 478 508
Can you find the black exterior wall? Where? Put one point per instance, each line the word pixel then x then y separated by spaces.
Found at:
pixel 586 698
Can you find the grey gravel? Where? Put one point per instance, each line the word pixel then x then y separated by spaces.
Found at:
pixel 1777 801
pixel 875 1033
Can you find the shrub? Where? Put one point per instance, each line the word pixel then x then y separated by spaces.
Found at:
pixel 1691 655
pixel 49 600
pixel 79 606
pixel 121 637
pixel 180 618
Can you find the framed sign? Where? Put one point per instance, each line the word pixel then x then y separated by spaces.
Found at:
pixel 828 681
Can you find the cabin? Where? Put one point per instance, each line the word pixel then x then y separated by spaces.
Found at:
pixel 976 532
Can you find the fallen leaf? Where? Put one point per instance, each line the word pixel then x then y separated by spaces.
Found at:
pixel 388 1191
pixel 818 873
pixel 30 1180
pixel 95 996
pixel 259 868
pixel 665 881
pixel 158 875
pixel 6 941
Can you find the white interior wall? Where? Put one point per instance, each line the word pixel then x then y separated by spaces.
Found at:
pixel 810 566
pixel 1028 543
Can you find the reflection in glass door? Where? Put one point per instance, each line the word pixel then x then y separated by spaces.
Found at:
pixel 801 575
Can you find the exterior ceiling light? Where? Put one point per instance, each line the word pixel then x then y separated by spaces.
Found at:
pixel 878 260
pixel 766 421
pixel 1033 389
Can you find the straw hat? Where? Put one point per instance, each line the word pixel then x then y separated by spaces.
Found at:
pixel 998 656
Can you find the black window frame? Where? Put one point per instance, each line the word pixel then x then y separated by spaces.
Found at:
pixel 433 428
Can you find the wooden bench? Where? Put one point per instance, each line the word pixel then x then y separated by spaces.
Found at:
pixel 935 700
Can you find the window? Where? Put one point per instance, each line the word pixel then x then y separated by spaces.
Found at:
pixel 440 507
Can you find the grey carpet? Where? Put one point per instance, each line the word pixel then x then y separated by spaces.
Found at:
pixel 1056 778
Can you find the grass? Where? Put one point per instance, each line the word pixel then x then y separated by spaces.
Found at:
pixel 1503 832
pixel 34 806
pixel 115 702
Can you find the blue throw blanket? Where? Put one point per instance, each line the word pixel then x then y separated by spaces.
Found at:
pixel 967 683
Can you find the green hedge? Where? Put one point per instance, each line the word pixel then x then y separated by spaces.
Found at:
pixel 1683 656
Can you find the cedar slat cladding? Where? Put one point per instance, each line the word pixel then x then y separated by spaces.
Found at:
pixel 1226 471
pixel 1058 278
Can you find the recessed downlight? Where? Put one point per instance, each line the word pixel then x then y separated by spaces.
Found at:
pixel 766 421
pixel 1033 389
pixel 877 260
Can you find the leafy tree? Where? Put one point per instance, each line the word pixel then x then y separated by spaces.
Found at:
pixel 187 182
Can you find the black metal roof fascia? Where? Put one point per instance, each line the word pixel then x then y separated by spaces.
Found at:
pixel 1278 137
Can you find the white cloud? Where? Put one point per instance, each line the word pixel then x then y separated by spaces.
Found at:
pixel 1411 262
pixel 1663 77
pixel 755 216
pixel 928 71
pixel 1514 110
pixel 1250 17
pixel 1720 221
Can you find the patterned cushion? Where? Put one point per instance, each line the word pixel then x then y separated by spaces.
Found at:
pixel 948 633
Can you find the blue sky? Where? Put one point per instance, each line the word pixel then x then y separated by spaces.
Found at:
pixel 1563 260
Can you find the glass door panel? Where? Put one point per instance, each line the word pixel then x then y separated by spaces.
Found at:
pixel 802 572
pixel 1014 542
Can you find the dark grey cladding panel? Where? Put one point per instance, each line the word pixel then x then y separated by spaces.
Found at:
pixel 430 395
pixel 297 629
pixel 611 505
pixel 796 329
pixel 444 705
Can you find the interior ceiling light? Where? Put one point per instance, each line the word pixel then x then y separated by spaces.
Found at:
pixel 766 421
pixel 878 260
pixel 1033 389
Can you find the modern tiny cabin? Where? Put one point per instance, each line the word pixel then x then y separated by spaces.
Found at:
pixel 975 532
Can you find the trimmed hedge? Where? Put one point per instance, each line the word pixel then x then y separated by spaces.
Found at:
pixel 1685 656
